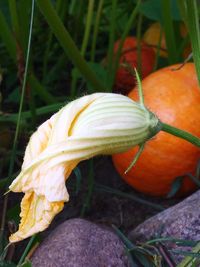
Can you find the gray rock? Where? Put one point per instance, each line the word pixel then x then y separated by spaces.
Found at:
pixel 80 243
pixel 181 221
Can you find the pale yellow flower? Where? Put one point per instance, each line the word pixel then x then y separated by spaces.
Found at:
pixel 101 123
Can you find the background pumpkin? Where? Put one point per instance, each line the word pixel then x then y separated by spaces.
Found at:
pixel 152 38
pixel 174 95
pixel 125 80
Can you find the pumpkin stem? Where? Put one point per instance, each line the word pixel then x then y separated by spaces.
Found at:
pixel 141 148
pixel 180 133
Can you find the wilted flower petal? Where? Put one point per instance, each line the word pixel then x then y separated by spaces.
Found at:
pixel 100 123
pixel 36 213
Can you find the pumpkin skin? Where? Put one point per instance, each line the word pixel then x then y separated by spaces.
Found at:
pixel 124 79
pixel 174 96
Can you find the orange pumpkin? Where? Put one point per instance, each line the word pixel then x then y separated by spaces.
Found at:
pixel 174 96
pixel 152 37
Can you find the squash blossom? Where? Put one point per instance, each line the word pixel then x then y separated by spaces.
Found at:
pixel 101 123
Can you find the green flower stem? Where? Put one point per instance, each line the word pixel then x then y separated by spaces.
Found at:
pixel 68 44
pixel 180 133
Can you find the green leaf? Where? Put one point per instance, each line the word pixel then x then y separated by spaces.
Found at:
pixel 176 185
pixel 152 9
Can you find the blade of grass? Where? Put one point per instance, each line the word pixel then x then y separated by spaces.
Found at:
pixel 7 37
pixel 123 37
pixel 158 48
pixel 11 166
pixel 138 35
pixel 78 175
pixel 77 10
pixel 84 45
pixel 190 260
pixel 194 32
pixel 111 44
pixel 128 245
pixel 59 8
pixel 87 27
pixel 27 114
pixel 96 29
pixel 141 254
pixel 62 7
pixel 42 93
pixel 9 40
pixel 20 35
pixel 24 18
pixel 14 18
pixel 169 31
pixel 26 250
pixel 68 44
pixel 86 203
pixel 182 9
pixel 179 242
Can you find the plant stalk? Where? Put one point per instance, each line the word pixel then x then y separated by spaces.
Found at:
pixel 180 133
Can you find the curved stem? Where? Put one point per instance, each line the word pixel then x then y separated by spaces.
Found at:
pixel 141 148
pixel 180 133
